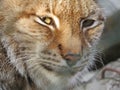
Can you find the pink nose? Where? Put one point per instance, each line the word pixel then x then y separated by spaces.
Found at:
pixel 71 59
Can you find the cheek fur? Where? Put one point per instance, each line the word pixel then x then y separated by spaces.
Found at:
pixel 93 35
pixel 33 29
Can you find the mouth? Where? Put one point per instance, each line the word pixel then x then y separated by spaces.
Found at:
pixel 63 70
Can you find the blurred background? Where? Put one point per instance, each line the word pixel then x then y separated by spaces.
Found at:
pixel 110 40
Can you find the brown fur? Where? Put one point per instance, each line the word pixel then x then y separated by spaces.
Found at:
pixel 32 55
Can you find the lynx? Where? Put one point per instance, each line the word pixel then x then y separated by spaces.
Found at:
pixel 47 44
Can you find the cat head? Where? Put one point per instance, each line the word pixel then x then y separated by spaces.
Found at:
pixel 61 34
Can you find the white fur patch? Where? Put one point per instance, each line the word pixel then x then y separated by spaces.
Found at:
pixel 57 22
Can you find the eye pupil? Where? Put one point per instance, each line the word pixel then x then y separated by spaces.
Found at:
pixel 88 23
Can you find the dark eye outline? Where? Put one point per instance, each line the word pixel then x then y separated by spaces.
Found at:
pixel 44 19
pixel 88 23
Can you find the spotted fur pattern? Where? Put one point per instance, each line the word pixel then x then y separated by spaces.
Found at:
pixel 32 52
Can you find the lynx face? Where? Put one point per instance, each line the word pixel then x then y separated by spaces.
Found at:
pixel 51 41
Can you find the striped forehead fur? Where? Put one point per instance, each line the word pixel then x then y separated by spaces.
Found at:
pixel 85 6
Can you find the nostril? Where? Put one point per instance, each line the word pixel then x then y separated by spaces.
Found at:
pixel 60 46
pixel 69 57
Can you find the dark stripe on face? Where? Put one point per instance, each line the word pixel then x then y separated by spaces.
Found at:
pixel 47 67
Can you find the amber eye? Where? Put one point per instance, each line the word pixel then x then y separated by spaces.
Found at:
pixel 47 20
pixel 88 23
